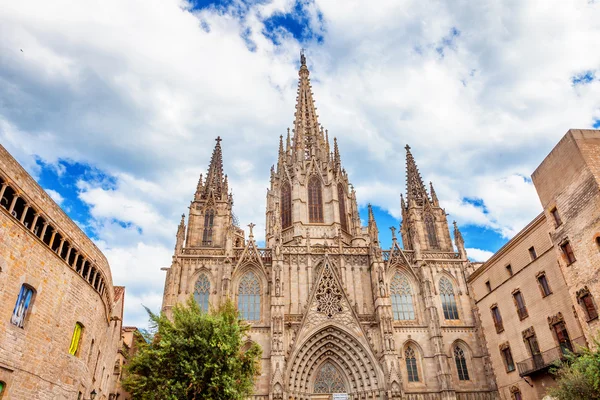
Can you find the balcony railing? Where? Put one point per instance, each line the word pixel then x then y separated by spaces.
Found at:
pixel 541 361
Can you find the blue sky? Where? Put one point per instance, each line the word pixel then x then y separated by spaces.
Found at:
pixel 115 110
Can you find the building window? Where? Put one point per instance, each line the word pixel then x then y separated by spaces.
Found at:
pixel 76 339
pixel 2 388
pixel 461 364
pixel 329 380
pixel 532 346
pixel 342 205
pixel 202 291
pixel 249 297
pixel 509 270
pixel 568 252
pixel 402 300
pixel 598 242
pixel 22 306
pixel 515 394
pixel 411 365
pixel 286 205
pixel 556 216
pixel 497 318
pixel 507 357
pixel 562 337
pixel 207 235
pixel 586 301
pixel 520 304
pixel 544 286
pixel 448 300
pixel 315 200
pixel 431 234
pixel 488 285
pixel 532 253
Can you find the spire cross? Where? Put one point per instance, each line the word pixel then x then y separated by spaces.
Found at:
pixel 218 139
pixel 393 229
pixel 251 225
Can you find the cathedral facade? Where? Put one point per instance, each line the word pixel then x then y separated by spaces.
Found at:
pixel 332 310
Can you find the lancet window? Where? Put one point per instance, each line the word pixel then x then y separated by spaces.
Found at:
pixel 461 364
pixel 448 300
pixel 342 205
pixel 402 299
pixel 22 306
pixel 315 200
pixel 249 297
pixel 411 364
pixel 209 220
pixel 286 205
pixel 431 234
pixel 329 380
pixel 202 291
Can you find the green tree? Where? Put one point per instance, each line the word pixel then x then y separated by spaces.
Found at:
pixel 578 377
pixel 197 356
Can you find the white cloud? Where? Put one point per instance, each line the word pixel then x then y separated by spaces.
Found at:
pixel 479 255
pixel 58 199
pixel 139 89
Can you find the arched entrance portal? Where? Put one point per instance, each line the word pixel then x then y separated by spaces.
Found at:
pixel 333 360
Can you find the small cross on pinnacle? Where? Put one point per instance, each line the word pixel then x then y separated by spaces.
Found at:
pixel 302 57
pixel 407 147
pixel 393 229
pixel 251 225
pixel 218 139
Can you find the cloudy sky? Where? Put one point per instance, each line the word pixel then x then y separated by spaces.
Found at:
pixel 113 106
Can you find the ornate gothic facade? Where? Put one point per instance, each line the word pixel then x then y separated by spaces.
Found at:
pixel 332 310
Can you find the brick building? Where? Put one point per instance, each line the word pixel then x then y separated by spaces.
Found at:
pixel 60 315
pixel 537 296
pixel 331 309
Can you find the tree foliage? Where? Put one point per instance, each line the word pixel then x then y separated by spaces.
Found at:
pixel 578 377
pixel 197 356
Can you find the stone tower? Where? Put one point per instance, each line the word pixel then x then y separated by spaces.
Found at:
pixel 332 310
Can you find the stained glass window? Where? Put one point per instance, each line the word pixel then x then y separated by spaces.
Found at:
pixel 315 200
pixel 249 297
pixel 431 235
pixel 286 205
pixel 402 300
pixel 411 365
pixel 207 235
pixel 202 291
pixel 461 364
pixel 76 339
pixel 22 306
pixel 448 300
pixel 342 204
pixel 329 380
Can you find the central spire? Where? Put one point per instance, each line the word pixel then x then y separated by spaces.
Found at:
pixel 309 140
pixel 415 188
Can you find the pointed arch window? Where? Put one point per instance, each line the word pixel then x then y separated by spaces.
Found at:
pixel 286 205
pixel 249 297
pixel 202 291
pixel 209 220
pixel 461 363
pixel 329 380
pixel 448 299
pixel 431 234
pixel 315 200
pixel 402 299
pixel 22 306
pixel 411 365
pixel 342 205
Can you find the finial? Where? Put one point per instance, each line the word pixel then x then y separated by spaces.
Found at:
pixel 393 229
pixel 407 147
pixel 218 139
pixel 302 57
pixel 251 225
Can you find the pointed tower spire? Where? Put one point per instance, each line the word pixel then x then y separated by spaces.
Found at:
pixel 460 243
pixel 281 157
pixel 336 153
pixel 214 178
pixel 434 198
pixel 415 188
pixel 307 139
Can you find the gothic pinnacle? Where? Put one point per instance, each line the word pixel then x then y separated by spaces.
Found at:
pixel 336 153
pixel 434 198
pixel 415 188
pixel 214 178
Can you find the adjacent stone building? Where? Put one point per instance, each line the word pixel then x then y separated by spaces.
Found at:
pixel 537 296
pixel 60 315
pixel 332 310
pixel 568 184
